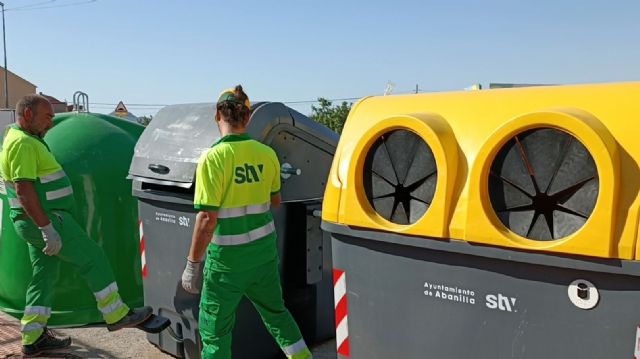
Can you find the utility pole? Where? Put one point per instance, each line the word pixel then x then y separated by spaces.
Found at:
pixel 417 88
pixel 6 71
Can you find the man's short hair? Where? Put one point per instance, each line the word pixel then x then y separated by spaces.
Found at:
pixel 31 102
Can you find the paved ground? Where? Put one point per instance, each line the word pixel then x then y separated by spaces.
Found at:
pixel 99 343
pixel 9 336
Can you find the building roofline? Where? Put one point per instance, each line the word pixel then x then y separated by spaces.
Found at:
pixel 20 77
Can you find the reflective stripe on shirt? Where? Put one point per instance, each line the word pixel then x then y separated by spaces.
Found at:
pixel 235 239
pixel 52 177
pixel 14 203
pixel 244 210
pixel 59 193
pixel 50 195
pixel 44 179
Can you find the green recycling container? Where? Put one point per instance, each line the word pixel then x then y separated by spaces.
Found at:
pixel 95 151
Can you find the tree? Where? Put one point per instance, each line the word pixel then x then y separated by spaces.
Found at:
pixel 331 116
pixel 144 120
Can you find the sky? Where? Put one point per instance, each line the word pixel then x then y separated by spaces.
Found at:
pixel 156 53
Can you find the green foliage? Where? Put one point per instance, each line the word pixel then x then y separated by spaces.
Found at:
pixel 144 120
pixel 329 115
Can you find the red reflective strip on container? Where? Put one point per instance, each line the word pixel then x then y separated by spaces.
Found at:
pixel 344 348
pixel 143 258
pixel 636 353
pixel 141 245
pixel 337 273
pixel 341 309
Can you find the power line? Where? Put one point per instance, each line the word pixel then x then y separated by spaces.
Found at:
pixel 104 104
pixel 139 105
pixel 355 98
pixel 314 101
pixel 131 104
pixel 31 5
pixel 34 7
pixel 159 105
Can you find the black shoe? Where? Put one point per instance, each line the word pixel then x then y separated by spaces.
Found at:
pixel 133 318
pixel 46 343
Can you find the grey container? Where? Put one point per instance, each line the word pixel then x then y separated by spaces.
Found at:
pixel 163 170
pixel 414 298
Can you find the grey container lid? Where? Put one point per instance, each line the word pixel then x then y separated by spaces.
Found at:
pixel 170 146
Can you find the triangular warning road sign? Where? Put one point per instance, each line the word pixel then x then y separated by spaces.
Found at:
pixel 121 107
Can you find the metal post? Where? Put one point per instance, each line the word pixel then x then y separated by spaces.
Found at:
pixel 6 71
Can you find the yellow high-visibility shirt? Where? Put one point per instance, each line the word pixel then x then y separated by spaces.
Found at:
pixel 237 178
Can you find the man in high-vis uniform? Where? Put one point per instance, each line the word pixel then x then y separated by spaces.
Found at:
pixel 237 181
pixel 41 200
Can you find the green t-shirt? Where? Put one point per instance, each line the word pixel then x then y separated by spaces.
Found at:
pixel 236 178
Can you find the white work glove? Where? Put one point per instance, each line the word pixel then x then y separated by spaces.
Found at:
pixel 52 241
pixel 191 280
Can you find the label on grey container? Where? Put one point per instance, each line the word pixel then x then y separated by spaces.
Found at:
pixel 165 217
pixel 451 293
pixel 182 221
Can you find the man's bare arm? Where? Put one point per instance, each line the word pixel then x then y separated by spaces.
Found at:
pixel 275 200
pixel 202 234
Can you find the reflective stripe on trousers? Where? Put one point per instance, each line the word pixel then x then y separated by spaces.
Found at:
pixel 33 323
pixel 295 347
pixel 110 304
pixel 113 287
pixel 235 239
pixel 44 311
pixel 112 307
pixel 33 326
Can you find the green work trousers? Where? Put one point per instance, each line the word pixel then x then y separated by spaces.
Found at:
pixel 221 295
pixel 87 258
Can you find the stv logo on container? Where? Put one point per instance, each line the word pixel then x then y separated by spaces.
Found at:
pixel 501 302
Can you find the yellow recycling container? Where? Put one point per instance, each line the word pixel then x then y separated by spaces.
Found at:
pixel 448 210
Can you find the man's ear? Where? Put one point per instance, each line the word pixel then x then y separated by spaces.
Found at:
pixel 217 116
pixel 27 114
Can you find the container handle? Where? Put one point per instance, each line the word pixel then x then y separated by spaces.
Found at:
pixel 286 171
pixel 163 170
pixel 80 101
